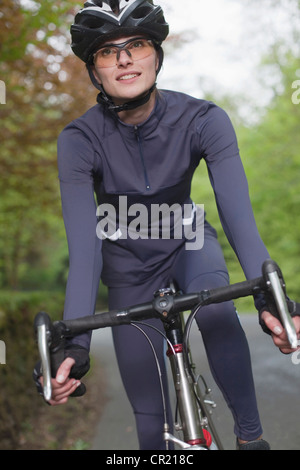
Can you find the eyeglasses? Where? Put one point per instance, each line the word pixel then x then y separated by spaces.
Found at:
pixel 136 49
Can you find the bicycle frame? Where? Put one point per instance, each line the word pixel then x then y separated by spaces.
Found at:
pixel 190 402
pixel 167 306
pixel 186 400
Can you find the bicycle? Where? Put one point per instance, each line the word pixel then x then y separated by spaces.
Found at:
pixel 195 417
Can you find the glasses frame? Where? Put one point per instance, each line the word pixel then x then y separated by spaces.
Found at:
pixel 121 47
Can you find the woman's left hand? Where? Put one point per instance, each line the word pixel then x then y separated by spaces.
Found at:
pixel 278 333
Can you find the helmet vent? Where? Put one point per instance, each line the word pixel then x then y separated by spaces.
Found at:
pixel 93 23
pixel 93 3
pixel 114 5
pixel 141 12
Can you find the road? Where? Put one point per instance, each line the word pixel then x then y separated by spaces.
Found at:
pixel 277 382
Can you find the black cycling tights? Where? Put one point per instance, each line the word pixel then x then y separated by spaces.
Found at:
pixel 224 340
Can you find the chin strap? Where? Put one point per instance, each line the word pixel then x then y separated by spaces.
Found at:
pixel 106 100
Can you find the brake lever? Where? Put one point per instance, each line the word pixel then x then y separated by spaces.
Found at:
pixel 50 339
pixel 275 283
pixel 42 330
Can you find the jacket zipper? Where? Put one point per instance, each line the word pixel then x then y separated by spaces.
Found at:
pixel 138 137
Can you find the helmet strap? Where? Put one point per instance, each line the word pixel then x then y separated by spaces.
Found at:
pixel 105 99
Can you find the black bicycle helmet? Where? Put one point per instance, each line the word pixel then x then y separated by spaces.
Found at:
pixel 99 21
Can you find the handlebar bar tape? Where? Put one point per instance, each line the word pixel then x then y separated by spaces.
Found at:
pixel 106 319
pixel 234 291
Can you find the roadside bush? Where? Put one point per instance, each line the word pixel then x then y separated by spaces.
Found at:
pixel 18 398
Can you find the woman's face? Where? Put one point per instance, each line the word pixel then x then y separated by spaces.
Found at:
pixel 127 79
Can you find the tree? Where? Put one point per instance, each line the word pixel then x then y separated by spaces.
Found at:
pixel 42 98
pixel 272 161
pixel 270 145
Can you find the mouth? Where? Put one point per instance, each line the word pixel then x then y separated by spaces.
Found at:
pixel 128 76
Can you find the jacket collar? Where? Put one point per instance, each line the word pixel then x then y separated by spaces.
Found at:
pixel 151 123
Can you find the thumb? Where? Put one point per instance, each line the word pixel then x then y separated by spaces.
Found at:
pixel 64 369
pixel 272 323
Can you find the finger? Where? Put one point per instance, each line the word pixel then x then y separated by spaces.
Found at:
pixel 296 321
pixel 281 343
pixel 65 391
pixel 56 403
pixel 286 351
pixel 61 394
pixel 59 389
pixel 62 385
pixel 279 335
pixel 272 323
pixel 64 369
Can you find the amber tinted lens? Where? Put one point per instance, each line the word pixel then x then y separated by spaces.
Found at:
pixel 136 49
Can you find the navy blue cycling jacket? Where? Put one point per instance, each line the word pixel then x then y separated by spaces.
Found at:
pixel 152 163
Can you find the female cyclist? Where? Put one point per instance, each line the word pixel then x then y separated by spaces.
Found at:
pixel 136 150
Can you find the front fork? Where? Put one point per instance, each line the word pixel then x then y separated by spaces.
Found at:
pixel 191 428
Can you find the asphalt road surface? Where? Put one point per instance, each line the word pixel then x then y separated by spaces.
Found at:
pixel 276 376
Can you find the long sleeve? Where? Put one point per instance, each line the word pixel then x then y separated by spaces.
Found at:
pixel 230 186
pixel 75 162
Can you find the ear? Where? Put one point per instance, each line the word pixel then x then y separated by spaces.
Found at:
pixel 159 59
pixel 96 75
pixel 157 62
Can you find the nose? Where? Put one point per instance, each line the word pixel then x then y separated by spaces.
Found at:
pixel 124 57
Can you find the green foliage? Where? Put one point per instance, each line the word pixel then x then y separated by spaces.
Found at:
pixel 19 401
pixel 38 72
pixel 42 97
pixel 271 152
pixel 26 422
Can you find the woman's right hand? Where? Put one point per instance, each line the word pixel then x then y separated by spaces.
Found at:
pixel 63 386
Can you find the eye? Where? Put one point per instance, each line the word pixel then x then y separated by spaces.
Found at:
pixel 139 43
pixel 107 51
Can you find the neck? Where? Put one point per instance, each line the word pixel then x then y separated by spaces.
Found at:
pixel 138 115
